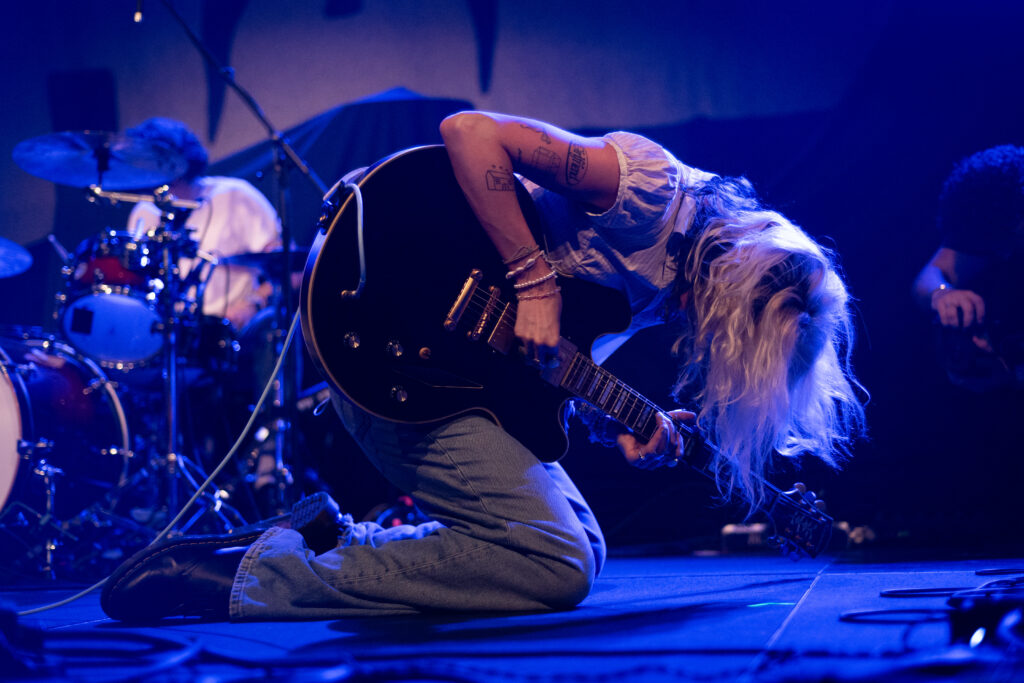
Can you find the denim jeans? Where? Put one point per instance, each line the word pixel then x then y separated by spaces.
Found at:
pixel 508 533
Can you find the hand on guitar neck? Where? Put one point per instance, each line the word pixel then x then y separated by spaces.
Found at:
pixel 665 447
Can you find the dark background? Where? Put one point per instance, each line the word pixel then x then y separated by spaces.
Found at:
pixel 847 118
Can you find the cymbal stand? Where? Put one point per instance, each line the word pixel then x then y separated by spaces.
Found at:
pixel 175 244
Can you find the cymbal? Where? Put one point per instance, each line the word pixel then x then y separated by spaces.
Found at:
pixel 14 259
pixel 113 161
pixel 271 263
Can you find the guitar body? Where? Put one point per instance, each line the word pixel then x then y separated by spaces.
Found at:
pixel 389 350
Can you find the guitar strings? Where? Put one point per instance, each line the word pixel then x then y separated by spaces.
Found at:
pixel 633 401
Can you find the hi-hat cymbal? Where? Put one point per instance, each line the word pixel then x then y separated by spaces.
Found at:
pixel 113 161
pixel 270 263
pixel 14 259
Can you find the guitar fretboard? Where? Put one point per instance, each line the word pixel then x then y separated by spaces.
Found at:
pixel 596 386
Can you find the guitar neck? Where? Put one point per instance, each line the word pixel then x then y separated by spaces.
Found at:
pixel 598 387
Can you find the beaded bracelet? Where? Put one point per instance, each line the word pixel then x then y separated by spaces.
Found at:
pixel 523 268
pixel 543 295
pixel 533 283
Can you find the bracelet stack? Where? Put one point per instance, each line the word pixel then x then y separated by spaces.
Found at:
pixel 529 256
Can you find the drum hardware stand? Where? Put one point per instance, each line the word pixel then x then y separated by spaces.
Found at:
pixel 54 532
pixel 26 450
pixel 177 244
pixel 44 520
pixel 161 198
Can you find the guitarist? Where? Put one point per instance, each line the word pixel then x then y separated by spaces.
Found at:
pixel 973 283
pixel 764 343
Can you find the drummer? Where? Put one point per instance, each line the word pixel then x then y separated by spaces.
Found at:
pixel 234 218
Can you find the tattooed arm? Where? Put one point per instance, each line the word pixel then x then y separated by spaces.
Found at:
pixel 485 150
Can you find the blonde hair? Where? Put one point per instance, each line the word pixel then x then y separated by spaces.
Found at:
pixel 767 345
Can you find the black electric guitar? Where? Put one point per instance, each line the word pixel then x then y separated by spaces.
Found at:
pixel 425 330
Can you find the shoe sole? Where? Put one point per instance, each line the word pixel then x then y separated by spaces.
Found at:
pixel 318 519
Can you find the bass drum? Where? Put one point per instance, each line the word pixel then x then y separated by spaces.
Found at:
pixel 64 440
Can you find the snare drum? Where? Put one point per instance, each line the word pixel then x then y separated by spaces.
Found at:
pixel 60 421
pixel 109 311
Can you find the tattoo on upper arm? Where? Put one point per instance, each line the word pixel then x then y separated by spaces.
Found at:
pixel 500 180
pixel 575 164
pixel 546 161
pixel 543 134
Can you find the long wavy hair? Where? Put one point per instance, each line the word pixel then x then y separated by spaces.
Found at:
pixel 766 341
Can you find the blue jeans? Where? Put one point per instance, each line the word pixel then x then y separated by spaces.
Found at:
pixel 509 533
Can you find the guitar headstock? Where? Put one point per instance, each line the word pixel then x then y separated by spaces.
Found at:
pixel 801 526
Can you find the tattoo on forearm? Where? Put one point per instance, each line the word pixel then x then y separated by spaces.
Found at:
pixel 546 161
pixel 500 180
pixel 545 138
pixel 575 164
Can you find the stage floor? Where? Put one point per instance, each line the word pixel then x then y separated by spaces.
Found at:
pixel 649 618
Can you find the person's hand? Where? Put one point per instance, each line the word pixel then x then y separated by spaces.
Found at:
pixel 537 327
pixel 664 448
pixel 958 307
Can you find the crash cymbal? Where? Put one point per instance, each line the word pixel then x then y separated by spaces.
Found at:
pixel 14 259
pixel 270 263
pixel 113 161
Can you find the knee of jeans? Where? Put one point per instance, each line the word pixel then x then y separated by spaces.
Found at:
pixel 569 584
pixel 563 582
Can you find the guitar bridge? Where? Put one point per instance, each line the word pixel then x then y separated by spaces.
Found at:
pixel 451 321
pixel 485 317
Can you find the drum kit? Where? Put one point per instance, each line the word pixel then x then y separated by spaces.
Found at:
pixel 83 481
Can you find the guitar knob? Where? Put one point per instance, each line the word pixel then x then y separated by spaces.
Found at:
pixel 399 394
pixel 352 340
pixel 395 349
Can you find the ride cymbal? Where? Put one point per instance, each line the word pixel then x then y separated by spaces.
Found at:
pixel 113 161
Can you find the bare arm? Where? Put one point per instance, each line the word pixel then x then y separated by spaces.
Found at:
pixel 485 150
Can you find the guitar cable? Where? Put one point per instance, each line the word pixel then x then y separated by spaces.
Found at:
pixel 990 613
pixel 202 487
pixel 358 194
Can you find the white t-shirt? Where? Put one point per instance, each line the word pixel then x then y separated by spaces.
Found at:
pixel 235 218
pixel 626 247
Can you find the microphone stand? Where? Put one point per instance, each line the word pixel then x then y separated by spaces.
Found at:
pixel 285 159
